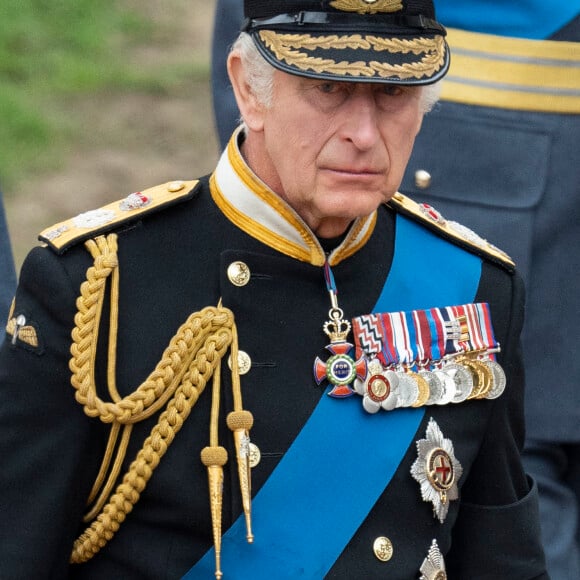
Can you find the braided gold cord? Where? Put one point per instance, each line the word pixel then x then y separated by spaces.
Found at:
pixel 154 392
pixel 128 492
pixel 179 379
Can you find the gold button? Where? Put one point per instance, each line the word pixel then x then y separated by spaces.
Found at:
pixel 383 549
pixel 175 186
pixel 238 273
pixel 255 455
pixel 244 362
pixel 422 179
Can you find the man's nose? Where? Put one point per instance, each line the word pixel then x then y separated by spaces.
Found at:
pixel 361 120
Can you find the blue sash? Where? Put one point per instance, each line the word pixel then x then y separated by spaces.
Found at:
pixel 327 482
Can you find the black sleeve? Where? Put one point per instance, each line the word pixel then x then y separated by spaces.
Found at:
pixel 44 434
pixel 497 533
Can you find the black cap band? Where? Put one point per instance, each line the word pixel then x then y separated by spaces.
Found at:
pixel 344 21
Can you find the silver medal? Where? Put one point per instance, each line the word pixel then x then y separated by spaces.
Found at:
pixel 499 379
pixel 448 387
pixel 408 390
pixel 435 386
pixel 463 381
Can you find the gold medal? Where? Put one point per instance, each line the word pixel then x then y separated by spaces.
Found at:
pixel 424 391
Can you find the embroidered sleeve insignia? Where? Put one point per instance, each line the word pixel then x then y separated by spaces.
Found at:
pixel 18 328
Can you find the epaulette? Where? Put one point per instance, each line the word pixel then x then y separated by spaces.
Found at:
pixel 451 230
pixel 60 237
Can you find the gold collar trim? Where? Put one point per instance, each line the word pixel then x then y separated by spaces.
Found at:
pixel 252 206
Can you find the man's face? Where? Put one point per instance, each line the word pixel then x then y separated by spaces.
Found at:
pixel 335 151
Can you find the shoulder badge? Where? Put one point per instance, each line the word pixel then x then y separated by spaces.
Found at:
pixel 22 331
pixel 65 234
pixel 451 230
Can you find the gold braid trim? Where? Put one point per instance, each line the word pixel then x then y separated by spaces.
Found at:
pixel 178 379
pixel 286 47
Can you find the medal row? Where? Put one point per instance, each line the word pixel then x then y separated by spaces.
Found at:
pixel 458 379
pixel 452 349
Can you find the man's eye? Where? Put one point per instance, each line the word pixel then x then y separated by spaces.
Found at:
pixel 392 90
pixel 328 88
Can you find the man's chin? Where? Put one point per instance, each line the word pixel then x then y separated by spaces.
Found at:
pixel 353 205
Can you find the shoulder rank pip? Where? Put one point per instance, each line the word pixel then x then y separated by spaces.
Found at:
pixel 451 230
pixel 86 225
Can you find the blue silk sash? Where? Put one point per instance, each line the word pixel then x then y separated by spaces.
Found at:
pixel 328 481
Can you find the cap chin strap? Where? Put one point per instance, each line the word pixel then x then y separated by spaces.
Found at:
pixel 337 20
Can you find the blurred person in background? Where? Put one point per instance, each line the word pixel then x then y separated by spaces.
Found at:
pixel 500 154
pixel 7 271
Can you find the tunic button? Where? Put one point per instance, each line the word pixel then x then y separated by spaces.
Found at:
pixel 422 179
pixel 383 549
pixel 244 362
pixel 255 455
pixel 238 273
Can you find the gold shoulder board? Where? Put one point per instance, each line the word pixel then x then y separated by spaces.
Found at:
pixel 451 230
pixel 86 225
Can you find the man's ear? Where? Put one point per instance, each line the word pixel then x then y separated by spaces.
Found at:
pixel 252 111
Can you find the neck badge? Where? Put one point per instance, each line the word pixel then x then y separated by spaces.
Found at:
pixel 341 369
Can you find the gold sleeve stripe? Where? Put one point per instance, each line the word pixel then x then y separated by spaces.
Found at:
pixel 513 73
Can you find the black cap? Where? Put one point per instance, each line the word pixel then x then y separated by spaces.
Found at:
pixel 390 41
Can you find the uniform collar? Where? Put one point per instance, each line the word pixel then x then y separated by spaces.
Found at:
pixel 253 207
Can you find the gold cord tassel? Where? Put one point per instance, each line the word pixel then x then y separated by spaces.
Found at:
pixel 240 422
pixel 214 458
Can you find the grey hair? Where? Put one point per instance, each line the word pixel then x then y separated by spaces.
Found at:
pixel 260 75
pixel 259 72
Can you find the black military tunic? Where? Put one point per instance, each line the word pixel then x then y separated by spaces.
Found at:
pixel 173 256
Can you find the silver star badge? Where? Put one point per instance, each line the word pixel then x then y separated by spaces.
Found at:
pixel 437 470
pixel 433 567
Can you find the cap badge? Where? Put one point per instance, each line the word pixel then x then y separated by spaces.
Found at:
pixel 437 470
pixel 367 6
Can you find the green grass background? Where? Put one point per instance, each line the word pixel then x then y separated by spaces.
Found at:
pixel 53 52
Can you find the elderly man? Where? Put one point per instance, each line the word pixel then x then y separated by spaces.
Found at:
pixel 285 369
